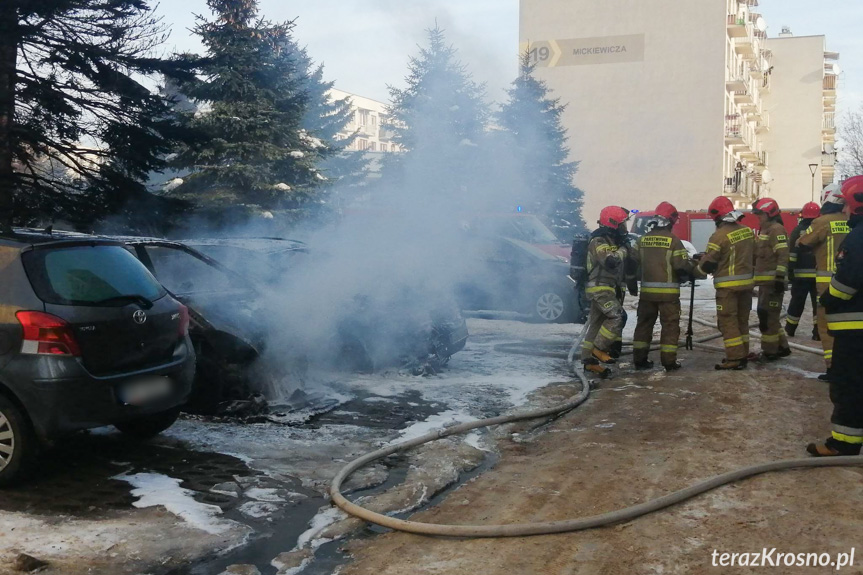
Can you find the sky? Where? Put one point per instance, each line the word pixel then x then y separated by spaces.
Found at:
pixel 365 44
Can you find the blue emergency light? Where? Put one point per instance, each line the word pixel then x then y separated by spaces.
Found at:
pixel 518 209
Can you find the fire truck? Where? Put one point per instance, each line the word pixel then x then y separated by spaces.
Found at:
pixel 696 227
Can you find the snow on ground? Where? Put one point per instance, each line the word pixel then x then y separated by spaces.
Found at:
pixel 324 518
pixel 155 489
pixel 478 382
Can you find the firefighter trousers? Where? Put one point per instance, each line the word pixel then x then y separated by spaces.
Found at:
pixel 846 393
pixel 769 323
pixel 801 290
pixel 668 313
pixel 826 338
pixel 732 316
pixel 604 324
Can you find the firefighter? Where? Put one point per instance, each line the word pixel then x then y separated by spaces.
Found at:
pixel 663 263
pixel 824 237
pixel 607 256
pixel 801 272
pixel 771 267
pixel 730 258
pixel 843 302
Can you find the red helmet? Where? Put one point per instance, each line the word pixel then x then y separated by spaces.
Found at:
pixel 668 212
pixel 852 191
pixel 720 207
pixel 613 216
pixel 766 206
pixel 810 211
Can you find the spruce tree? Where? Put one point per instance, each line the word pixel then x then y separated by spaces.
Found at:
pixel 250 146
pixel 532 121
pixel 79 133
pixel 439 119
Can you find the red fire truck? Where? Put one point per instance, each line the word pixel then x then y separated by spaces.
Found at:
pixel 696 227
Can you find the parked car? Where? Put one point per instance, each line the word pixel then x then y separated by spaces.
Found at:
pixel 424 341
pixel 513 275
pixel 523 227
pixel 88 338
pixel 225 330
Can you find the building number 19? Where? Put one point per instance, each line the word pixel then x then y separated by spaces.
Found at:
pixel 539 54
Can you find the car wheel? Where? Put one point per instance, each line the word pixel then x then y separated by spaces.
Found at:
pixel 149 425
pixel 18 444
pixel 551 306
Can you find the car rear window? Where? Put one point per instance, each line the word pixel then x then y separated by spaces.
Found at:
pixel 86 275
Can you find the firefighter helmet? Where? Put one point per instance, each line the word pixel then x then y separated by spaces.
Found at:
pixel 720 207
pixel 766 206
pixel 852 191
pixel 668 211
pixel 810 211
pixel 832 194
pixel 613 216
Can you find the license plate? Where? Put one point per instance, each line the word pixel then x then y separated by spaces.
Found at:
pixel 144 391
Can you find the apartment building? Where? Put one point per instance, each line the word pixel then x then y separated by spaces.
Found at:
pixel 368 123
pixel 802 104
pixel 671 100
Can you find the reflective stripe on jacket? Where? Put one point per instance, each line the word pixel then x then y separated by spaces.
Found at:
pixel 843 301
pixel 732 249
pixel 661 256
pixel 605 264
pixel 825 237
pixel 771 254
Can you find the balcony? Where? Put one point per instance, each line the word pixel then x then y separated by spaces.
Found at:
pixel 828 124
pixel 736 26
pixel 830 84
pixel 734 131
pixel 745 46
pixel 736 80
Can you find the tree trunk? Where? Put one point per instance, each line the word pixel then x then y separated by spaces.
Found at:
pixel 8 64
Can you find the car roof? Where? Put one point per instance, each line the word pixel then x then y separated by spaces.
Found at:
pixel 39 237
pixel 256 244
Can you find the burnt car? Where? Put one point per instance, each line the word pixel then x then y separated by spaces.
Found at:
pixel 222 306
pixel 512 275
pixel 88 338
pixel 421 339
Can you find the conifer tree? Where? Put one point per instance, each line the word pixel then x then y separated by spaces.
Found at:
pixel 439 119
pixel 250 146
pixel 532 121
pixel 78 131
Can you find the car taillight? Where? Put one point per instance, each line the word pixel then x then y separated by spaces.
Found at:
pixel 47 334
pixel 184 321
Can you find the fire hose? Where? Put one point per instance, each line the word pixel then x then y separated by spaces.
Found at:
pixel 546 528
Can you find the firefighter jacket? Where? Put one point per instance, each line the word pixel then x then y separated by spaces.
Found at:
pixel 771 254
pixel 730 257
pixel 844 300
pixel 801 262
pixel 662 262
pixel 824 237
pixel 607 256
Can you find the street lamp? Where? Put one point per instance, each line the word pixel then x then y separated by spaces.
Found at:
pixel 813 168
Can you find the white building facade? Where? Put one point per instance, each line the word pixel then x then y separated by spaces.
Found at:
pixel 671 100
pixel 369 117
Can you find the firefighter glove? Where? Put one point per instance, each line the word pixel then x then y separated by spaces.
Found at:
pixel 779 286
pixel 612 262
pixel 709 267
pixel 632 286
pixel 697 257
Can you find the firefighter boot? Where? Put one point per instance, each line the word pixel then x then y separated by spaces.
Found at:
pixel 672 366
pixel 731 364
pixel 815 335
pixel 593 367
pixel 616 349
pixel 790 329
pixel 832 448
pixel 643 364
pixel 603 357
